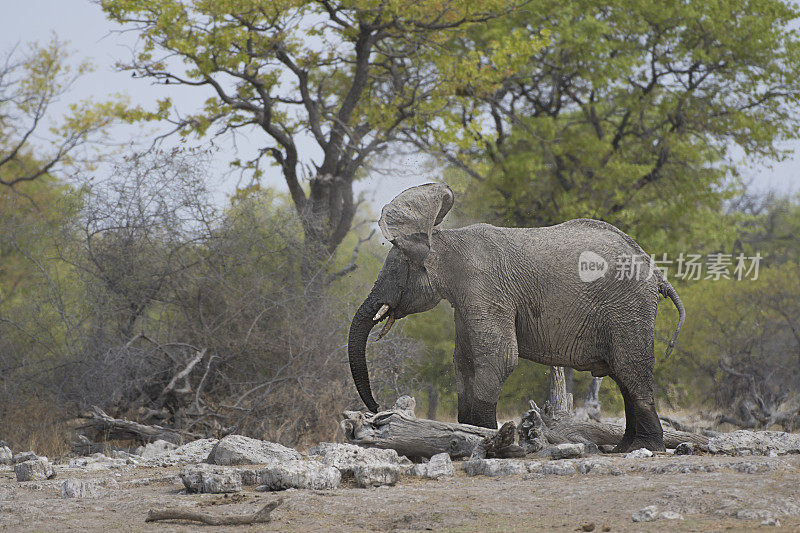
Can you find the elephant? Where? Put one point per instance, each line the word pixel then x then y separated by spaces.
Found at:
pixel 546 294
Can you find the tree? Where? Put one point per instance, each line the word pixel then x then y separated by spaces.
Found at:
pixel 637 112
pixel 349 76
pixel 33 143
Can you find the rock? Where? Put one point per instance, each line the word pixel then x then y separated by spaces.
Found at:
pixel 34 470
pixel 78 488
pixel 670 515
pixel 192 452
pixel 214 479
pixel 156 448
pixel 241 450
pixel 749 467
pixel 440 466
pixel 639 454
pixel 495 467
pixel 346 457
pixel 771 521
pixel 97 461
pixel 567 450
pixel 21 457
pixel 647 514
pixel 589 526
pixel 297 474
pixel 684 448
pixel 376 475
pixel 6 457
pixel 754 514
pixel 562 468
pixel 746 442
pixel 598 466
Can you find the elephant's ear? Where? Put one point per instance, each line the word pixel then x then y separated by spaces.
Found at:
pixel 408 220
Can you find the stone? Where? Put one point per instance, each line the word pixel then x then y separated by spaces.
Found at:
pixel 195 451
pixel 241 450
pixel 78 488
pixel 346 457
pixel 646 514
pixel 214 479
pixel 494 467
pixel 771 521
pixel 21 457
pixel 6 457
pixel 154 449
pixel 639 454
pixel 34 470
pixel 376 475
pixel 297 474
pixel 751 467
pixel 440 466
pixel 567 450
pixel 670 515
pixel 684 448
pixel 746 442
pixel 561 468
pixel 97 461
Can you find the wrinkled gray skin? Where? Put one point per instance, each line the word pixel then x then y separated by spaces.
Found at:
pixel 516 293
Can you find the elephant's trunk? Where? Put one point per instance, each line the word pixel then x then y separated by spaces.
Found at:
pixel 362 324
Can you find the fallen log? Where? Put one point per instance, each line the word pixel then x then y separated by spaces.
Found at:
pixel 177 513
pixel 119 428
pixel 540 427
pixel 399 429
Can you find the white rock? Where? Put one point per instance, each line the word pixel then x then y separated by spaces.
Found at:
pixel 670 515
pixel 78 488
pixel 97 461
pixel 5 455
pixel 560 468
pixel 211 479
pixel 440 466
pixel 771 521
pixel 639 454
pixel 241 450
pixel 34 470
pixel 155 449
pixel 297 474
pixel 376 475
pixel 567 450
pixel 346 457
pixel 494 467
pixel 746 442
pixel 647 514
pixel 191 452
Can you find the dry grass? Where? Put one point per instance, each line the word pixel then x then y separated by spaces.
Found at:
pixel 36 425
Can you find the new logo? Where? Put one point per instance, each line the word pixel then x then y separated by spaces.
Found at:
pixel 591 266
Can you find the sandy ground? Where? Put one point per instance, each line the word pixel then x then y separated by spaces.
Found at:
pixel 737 495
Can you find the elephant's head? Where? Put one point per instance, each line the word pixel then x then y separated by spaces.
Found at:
pixel 404 285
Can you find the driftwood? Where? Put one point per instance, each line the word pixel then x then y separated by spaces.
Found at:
pixel 399 429
pixel 119 428
pixel 259 517
pixel 541 427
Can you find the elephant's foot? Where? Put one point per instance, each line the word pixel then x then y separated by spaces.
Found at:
pixel 654 444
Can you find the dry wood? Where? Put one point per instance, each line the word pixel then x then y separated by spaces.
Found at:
pixel 413 437
pixel 177 513
pixel 400 430
pixel 120 428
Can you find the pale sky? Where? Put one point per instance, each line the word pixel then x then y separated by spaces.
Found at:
pixel 89 34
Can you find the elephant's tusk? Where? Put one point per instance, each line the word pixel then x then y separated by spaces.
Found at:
pixel 381 312
pixel 386 327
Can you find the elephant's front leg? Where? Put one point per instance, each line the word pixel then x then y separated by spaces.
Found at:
pixel 485 354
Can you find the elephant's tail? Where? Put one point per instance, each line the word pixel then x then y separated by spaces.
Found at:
pixel 668 291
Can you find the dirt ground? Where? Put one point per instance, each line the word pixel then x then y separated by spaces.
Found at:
pixel 737 494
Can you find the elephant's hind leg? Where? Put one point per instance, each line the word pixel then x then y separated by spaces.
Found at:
pixel 633 373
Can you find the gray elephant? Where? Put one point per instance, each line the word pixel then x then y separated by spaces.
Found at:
pixel 545 294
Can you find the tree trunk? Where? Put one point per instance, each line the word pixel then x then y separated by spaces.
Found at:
pixel 433 401
pixel 559 399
